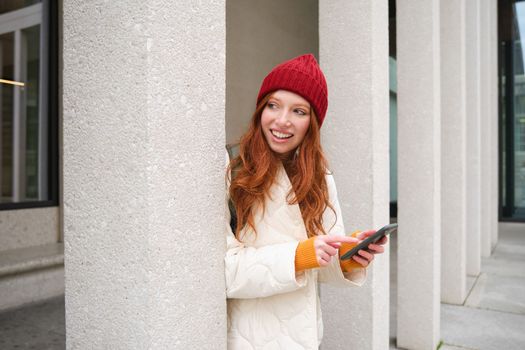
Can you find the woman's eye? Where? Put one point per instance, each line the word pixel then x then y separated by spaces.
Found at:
pixel 300 112
pixel 272 105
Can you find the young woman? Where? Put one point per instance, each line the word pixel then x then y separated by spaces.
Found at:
pixel 288 233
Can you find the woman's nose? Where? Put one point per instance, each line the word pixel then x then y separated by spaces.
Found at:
pixel 284 118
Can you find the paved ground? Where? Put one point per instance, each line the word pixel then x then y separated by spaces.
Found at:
pixel 493 314
pixel 492 317
pixel 38 326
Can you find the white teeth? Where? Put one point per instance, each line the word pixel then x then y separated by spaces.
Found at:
pixel 281 135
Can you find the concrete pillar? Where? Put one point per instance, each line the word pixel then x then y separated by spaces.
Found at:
pixel 486 134
pixel 419 174
pixel 473 169
pixel 494 121
pixel 356 139
pixel 453 152
pixel 144 87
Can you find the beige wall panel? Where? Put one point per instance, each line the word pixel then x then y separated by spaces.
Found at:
pixel 23 228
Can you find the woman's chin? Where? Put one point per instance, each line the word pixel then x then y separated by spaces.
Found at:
pixel 283 153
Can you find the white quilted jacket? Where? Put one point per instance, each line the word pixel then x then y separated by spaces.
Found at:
pixel 269 307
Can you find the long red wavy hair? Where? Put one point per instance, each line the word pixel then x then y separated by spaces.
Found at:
pixel 256 167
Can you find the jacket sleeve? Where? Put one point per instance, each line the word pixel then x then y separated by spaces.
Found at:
pixel 332 273
pixel 258 272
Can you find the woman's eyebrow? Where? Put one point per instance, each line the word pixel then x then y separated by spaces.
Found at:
pixel 302 105
pixel 298 104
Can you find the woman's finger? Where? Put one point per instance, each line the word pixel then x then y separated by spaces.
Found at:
pixel 338 239
pixel 368 256
pixel 376 248
pixel 383 240
pixel 360 260
pixel 365 234
pixel 329 250
pixel 330 247
pixel 335 245
pixel 324 258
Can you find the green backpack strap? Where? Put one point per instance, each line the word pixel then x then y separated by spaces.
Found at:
pixel 233 152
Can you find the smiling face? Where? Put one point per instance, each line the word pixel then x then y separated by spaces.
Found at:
pixel 285 121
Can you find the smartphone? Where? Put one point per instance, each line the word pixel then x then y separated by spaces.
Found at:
pixel 383 231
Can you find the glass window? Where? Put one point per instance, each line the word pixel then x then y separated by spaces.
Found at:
pixel 24 93
pixel 512 99
pixel 6 120
pixel 392 50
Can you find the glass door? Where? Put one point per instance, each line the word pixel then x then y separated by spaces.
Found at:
pixel 512 110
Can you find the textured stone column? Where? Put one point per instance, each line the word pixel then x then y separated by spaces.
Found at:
pixel 473 170
pixel 356 138
pixel 453 152
pixel 419 174
pixel 144 174
pixel 486 124
pixel 494 122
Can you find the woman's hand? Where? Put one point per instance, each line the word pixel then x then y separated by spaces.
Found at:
pixel 327 246
pixel 365 257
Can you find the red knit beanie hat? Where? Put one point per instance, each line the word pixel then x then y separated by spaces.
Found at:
pixel 303 76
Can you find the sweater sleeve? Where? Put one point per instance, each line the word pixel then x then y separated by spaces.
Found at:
pixel 333 273
pixel 305 255
pixel 258 272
